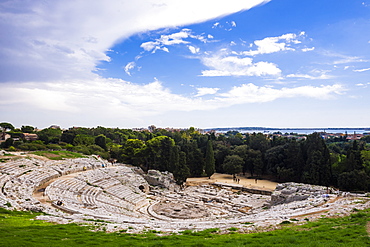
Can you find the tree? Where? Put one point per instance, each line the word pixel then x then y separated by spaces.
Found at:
pixel 181 172
pixel 159 149
pixel 101 141
pixel 259 142
pixel 210 160
pixel 275 158
pixel 8 143
pixel 233 164
pixel 68 136
pixel 254 162
pixel 50 135
pixel 132 151
pixel 354 157
pixel 27 129
pixel 366 138
pixel 354 180
pixel 242 152
pixel 221 151
pixel 83 140
pixel 6 126
pixel 294 160
pixel 317 169
pixel 194 159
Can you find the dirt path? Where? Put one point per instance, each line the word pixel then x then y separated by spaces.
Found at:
pixel 226 178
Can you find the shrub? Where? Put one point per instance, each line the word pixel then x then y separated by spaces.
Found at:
pixel 54 147
pixel 31 146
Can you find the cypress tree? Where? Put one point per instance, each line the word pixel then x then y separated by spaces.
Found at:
pixel 210 160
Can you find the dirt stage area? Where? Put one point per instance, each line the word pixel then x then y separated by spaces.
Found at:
pixel 226 178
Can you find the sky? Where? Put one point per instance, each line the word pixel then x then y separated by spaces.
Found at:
pixel 174 63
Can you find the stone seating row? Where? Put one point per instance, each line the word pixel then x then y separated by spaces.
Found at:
pixel 3 179
pixel 89 195
pixel 106 183
pixel 12 169
pixel 122 170
pixel 15 189
pixel 93 176
pixel 19 166
pixel 39 176
pixel 72 184
pixel 123 192
pixel 92 195
pixel 87 204
pixel 105 198
pixel 58 194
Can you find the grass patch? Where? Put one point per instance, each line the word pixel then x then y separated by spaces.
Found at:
pixel 20 229
pixel 58 155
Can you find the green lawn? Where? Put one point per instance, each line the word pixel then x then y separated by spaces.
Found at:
pixel 20 229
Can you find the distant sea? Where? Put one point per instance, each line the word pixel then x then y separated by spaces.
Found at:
pixel 305 131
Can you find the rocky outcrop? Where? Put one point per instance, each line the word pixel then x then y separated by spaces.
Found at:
pixel 162 179
pixel 291 192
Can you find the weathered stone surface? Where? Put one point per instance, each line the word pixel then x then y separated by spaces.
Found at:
pixel 162 179
pixel 291 192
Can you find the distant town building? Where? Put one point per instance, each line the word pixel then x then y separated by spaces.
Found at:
pixel 30 137
pixel 354 136
pixel 4 136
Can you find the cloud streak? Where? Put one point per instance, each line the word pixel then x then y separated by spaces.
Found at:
pixel 66 39
pixel 274 44
pixel 109 97
pixel 226 65
pixel 250 93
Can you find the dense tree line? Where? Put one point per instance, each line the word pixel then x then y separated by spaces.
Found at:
pixel 188 153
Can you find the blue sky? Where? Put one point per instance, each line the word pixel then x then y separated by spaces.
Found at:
pixel 172 63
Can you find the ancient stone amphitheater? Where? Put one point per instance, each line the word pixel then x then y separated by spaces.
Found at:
pixel 123 197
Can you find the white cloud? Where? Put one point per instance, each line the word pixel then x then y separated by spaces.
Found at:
pixel 206 90
pixel 116 101
pixel 98 98
pixel 150 45
pixel 308 49
pixel 172 39
pixel 343 59
pixel 348 59
pixel 233 24
pixel 250 93
pixel 322 76
pixel 193 49
pixel 129 67
pixel 46 40
pixel 225 65
pixel 274 44
pixel 361 70
pixel 363 85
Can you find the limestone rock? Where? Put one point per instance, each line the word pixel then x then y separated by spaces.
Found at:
pixel 162 179
pixel 291 192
